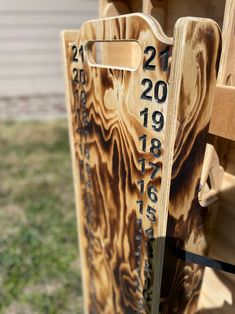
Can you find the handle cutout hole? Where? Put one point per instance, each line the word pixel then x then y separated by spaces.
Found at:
pixel 116 54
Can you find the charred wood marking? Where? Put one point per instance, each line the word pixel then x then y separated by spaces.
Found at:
pixel 124 135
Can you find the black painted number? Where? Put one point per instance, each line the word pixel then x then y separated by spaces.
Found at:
pixel 145 95
pixel 155 168
pixel 147 64
pixel 82 77
pixel 164 58
pixel 149 232
pixel 141 186
pixel 83 98
pixel 81 53
pixel 75 53
pixel 75 76
pixel 160 90
pixel 151 214
pixel 152 193
pixel 143 139
pixel 157 119
pixel 79 73
pixel 141 205
pixel 155 148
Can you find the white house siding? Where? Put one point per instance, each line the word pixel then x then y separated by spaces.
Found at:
pixel 30 45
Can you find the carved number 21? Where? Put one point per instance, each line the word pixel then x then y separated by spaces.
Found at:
pixel 150 51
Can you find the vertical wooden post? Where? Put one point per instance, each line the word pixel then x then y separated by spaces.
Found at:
pixel 226 74
pixel 113 8
pixel 157 9
pixel 138 137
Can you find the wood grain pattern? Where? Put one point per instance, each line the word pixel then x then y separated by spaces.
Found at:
pixel 189 224
pixel 218 292
pixel 157 9
pixel 222 242
pixel 109 8
pixel 110 137
pixel 223 115
pixel 221 124
pixel 226 73
pixel 167 12
pixel 218 289
pixel 111 237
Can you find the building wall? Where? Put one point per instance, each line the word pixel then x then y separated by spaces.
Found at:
pixel 30 44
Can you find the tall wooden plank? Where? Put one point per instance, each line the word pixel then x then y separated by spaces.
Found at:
pixel 226 74
pixel 132 138
pixel 194 70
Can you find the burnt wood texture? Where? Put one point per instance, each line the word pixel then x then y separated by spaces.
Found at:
pixel 138 137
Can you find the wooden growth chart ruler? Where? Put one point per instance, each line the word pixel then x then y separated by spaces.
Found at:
pixel 139 105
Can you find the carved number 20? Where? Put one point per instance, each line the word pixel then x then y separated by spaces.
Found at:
pixel 160 90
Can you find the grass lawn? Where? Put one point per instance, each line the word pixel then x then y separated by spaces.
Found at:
pixel 39 267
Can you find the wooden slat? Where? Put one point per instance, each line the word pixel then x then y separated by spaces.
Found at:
pixel 168 11
pixel 115 107
pixel 226 73
pixel 188 222
pixel 217 296
pixel 113 8
pixel 218 289
pixel 157 9
pixel 118 239
pixel 201 8
pixel 223 115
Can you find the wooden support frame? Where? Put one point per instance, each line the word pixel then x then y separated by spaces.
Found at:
pixel 223 115
pixel 108 154
pixel 167 12
pixel 222 135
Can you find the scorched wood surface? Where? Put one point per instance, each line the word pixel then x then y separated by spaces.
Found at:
pixel 138 137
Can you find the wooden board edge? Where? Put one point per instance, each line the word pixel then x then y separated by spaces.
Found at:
pixel 65 35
